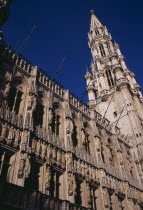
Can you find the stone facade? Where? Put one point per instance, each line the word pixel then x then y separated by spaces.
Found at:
pixel 60 149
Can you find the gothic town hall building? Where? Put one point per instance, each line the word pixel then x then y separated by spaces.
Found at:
pixel 56 152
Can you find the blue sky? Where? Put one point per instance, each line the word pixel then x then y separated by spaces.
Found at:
pixel 62 28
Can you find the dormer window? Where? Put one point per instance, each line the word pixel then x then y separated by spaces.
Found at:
pixel 109 78
pixel 97 32
pixel 102 51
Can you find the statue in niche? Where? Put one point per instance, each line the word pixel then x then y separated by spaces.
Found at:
pixel 50 115
pixel 69 159
pixel 20 121
pixel 6 91
pixel 59 156
pixel 28 167
pixel 30 101
pixel 83 137
pixel 21 167
pixel 17 136
pixel 27 121
pixel 25 137
pixel 4 131
pixel 54 154
pixel 97 143
pixel 88 193
pixel 49 152
pixel 69 125
pixel 75 164
pixel 63 158
pixel 79 169
pixel 33 147
pixel 11 134
pixel 106 198
pixel 38 147
pixel 48 177
pixel 93 173
pixel 44 149
pixel 120 157
pixel 74 185
pixel 70 184
pixel 82 167
pixel 109 154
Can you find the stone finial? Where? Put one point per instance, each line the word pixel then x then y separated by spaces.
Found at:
pixel 92 11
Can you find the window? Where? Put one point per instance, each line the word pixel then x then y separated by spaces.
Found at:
pixel 14 99
pixel 96 32
pixel 115 114
pixel 38 115
pixel 55 184
pixel 102 51
pixel 109 78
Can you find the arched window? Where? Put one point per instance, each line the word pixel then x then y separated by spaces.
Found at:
pixel 97 32
pixel 109 78
pixel 102 51
pixel 14 99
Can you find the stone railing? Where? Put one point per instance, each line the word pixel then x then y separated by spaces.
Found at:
pixel 79 105
pixel 16 197
pixel 11 117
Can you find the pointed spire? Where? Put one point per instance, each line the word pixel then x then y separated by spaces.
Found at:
pixel 94 21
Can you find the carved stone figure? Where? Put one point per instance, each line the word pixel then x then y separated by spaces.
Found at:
pixel 69 159
pixel 4 131
pixel 50 115
pixel 25 137
pixel 79 169
pixel 17 136
pixel 33 147
pixel 44 149
pixel 38 147
pixel 82 136
pixel 27 121
pixel 27 167
pixel 63 158
pixel 11 134
pixel 74 185
pixel 70 184
pixel 69 125
pixel 88 193
pixel 48 178
pixel 59 156
pixel 21 167
pixel 97 143
pixel 54 154
pixel 30 101
pixel 6 91
pixel 49 152
pixel 106 198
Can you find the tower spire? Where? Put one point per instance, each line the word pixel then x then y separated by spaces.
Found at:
pixel 94 21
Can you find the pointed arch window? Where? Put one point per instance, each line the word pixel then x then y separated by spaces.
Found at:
pixel 102 50
pixel 109 78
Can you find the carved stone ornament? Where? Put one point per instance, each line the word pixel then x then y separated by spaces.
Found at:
pixel 48 178
pixel 70 184
pixel 4 132
pixel 21 167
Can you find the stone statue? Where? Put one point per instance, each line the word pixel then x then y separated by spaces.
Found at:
pixel 69 159
pixel 75 164
pixel 88 194
pixel 33 147
pixel 74 185
pixel 69 125
pixel 11 134
pixel 6 91
pixel 109 154
pixel 27 121
pixel 48 178
pixel 97 143
pixel 106 197
pixel 70 184
pixel 79 169
pixel 83 137
pixel 38 147
pixel 63 158
pixel 54 154
pixel 44 149
pixel 28 167
pixel 4 131
pixel 50 115
pixel 59 156
pixel 25 137
pixel 49 152
pixel 21 167
pixel 17 136
pixel 30 101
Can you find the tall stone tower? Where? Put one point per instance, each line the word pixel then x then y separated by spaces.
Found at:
pixel 112 88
